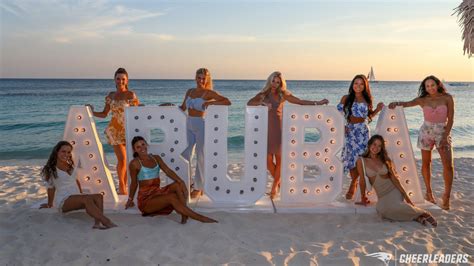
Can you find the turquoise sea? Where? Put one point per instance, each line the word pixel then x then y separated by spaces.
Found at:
pixel 33 112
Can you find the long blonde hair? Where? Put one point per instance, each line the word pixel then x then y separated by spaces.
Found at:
pixel 268 85
pixel 207 74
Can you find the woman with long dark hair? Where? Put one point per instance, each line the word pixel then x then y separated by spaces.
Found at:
pixel 64 190
pixel 393 202
pixel 116 102
pixel 438 112
pixel 152 198
pixel 357 108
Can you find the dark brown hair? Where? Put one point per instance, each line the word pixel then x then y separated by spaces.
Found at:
pixel 383 155
pixel 351 98
pixel 135 140
pixel 422 90
pixel 49 170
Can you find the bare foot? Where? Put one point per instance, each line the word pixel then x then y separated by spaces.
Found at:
pixel 99 226
pixel 209 220
pixel 429 197
pixel 196 193
pixel 445 205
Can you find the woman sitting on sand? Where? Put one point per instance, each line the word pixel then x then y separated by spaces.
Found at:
pixel 64 190
pixel 153 199
pixel 380 171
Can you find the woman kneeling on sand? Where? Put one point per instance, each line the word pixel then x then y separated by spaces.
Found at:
pixel 64 190
pixel 380 171
pixel 153 199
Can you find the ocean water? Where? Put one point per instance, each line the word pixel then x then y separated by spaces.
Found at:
pixel 33 112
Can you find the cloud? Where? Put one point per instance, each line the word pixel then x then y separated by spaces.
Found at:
pixel 68 22
pixel 226 38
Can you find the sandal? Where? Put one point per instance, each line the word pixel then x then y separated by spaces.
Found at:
pixel 430 219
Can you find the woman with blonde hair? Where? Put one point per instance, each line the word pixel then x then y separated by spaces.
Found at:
pixel 273 95
pixel 196 101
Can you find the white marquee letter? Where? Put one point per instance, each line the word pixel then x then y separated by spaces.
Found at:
pixel 88 154
pixel 218 186
pixel 296 154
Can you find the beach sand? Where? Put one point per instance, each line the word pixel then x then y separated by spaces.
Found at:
pixel 31 236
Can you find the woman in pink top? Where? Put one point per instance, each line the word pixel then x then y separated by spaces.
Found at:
pixel 438 112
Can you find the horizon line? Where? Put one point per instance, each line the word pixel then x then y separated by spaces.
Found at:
pixel 184 79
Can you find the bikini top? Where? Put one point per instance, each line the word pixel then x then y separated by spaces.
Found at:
pixel 195 103
pixel 438 114
pixel 147 173
pixel 359 109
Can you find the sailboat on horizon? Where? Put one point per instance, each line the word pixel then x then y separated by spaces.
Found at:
pixel 371 75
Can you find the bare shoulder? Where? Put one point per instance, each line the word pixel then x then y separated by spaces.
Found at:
pixel 135 164
pixel 343 99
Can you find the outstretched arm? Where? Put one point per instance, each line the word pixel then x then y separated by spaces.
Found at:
pixel 414 102
pixel 104 112
pixel 293 99
pixel 216 99
pixel 257 99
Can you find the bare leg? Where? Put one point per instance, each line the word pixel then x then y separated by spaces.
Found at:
pixel 353 186
pixel 161 201
pixel 77 202
pixel 446 155
pixel 120 152
pixel 175 188
pixel 426 172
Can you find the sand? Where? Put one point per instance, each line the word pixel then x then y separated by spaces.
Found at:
pixel 30 236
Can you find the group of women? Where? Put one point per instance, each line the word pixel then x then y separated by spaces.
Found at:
pixel 361 156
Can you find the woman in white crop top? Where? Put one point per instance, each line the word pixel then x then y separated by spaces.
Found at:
pixel 195 102
pixel 64 190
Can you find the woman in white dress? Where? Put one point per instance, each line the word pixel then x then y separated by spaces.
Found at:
pixel 64 190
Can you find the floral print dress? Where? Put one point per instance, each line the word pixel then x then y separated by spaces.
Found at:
pixel 115 131
pixel 357 135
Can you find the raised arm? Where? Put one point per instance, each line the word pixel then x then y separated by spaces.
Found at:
pixel 414 102
pixel 133 167
pixel 293 99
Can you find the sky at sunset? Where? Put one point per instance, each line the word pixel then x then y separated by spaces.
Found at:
pixel 311 40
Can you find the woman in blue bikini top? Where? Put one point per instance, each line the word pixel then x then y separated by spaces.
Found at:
pixel 153 199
